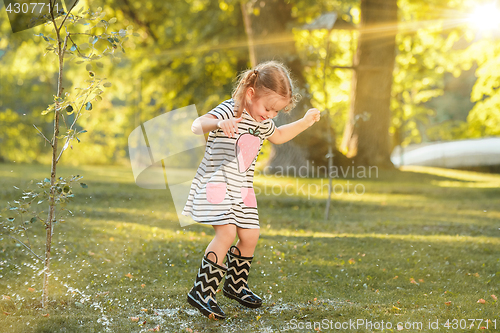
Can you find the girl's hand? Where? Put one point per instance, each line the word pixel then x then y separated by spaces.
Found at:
pixel 229 126
pixel 311 116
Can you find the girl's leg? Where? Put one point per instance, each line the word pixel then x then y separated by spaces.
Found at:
pixel 224 237
pixel 247 241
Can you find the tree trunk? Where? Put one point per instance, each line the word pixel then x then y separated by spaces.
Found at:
pixel 52 205
pixel 271 40
pixel 366 135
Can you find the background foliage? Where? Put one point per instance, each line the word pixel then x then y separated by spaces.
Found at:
pixel 189 52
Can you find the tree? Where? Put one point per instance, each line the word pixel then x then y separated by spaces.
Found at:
pixel 366 135
pixel 68 43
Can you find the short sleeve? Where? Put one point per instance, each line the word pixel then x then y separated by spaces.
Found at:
pixel 224 110
pixel 269 129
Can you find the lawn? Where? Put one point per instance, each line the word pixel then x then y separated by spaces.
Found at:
pixel 408 250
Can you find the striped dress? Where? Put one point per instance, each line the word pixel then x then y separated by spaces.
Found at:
pixel 222 190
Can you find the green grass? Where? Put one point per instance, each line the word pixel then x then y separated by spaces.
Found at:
pixel 397 251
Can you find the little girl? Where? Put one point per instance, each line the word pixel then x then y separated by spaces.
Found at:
pixel 222 193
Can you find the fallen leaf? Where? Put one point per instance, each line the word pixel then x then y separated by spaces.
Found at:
pixel 412 280
pixel 145 310
pixel 5 297
pixel 494 297
pixel 212 316
pixel 315 299
pixel 156 329
pixel 31 289
pixel 476 274
pixel 447 303
pixel 91 253
pixel 143 285
pixel 129 276
pixel 134 319
pixel 6 313
pixel 400 327
pixel 352 261
pixel 46 315
pixel 394 278
pixel 421 280
pixel 482 301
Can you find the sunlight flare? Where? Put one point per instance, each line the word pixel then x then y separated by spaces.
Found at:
pixel 486 17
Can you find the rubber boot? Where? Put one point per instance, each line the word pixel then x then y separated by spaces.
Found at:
pixel 202 295
pixel 236 284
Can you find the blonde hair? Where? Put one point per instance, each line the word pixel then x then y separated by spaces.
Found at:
pixel 266 77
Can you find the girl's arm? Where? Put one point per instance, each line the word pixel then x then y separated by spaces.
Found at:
pixel 209 122
pixel 287 132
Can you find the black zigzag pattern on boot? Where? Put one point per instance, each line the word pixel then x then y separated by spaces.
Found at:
pixel 202 295
pixel 236 284
pixel 208 280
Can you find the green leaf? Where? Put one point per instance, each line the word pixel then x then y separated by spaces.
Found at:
pixel 113 20
pixel 69 109
pixel 95 39
pixel 84 46
pixel 83 185
pixel 88 67
pixel 13 208
pixel 82 131
pixel 107 84
pixel 88 106
pixel 73 48
pixel 46 180
pixel 34 219
pixel 11 219
pixel 99 64
pixel 66 189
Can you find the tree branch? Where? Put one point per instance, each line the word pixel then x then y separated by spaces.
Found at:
pixel 67 14
pixel 42 135
pixel 29 249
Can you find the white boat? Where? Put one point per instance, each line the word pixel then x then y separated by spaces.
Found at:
pixel 451 154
